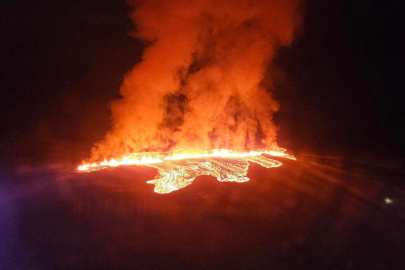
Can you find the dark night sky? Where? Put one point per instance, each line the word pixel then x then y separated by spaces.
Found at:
pixel 341 92
pixel 340 84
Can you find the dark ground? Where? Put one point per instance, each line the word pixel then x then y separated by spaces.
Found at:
pixel 316 213
pixel 340 88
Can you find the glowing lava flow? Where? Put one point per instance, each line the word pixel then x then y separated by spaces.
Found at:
pixel 177 170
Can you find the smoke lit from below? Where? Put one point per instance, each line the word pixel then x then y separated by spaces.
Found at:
pixel 203 84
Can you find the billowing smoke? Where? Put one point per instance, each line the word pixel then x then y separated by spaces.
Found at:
pixel 200 83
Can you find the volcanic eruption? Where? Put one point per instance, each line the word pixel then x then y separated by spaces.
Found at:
pixel 203 84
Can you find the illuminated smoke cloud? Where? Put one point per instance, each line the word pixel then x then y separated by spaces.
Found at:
pixel 200 81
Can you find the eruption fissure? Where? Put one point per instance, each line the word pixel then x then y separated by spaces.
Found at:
pixel 203 83
pixel 177 169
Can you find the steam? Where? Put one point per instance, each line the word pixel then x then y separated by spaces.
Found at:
pixel 200 83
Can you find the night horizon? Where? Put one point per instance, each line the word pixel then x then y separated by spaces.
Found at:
pixel 95 81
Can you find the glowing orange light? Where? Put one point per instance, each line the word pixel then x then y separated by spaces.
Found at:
pixel 178 169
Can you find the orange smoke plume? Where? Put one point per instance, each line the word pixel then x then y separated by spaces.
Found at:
pixel 200 81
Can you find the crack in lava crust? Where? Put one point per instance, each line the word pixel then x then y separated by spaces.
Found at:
pixel 177 170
